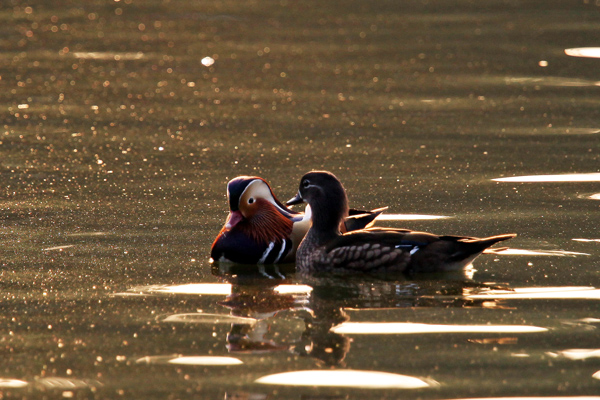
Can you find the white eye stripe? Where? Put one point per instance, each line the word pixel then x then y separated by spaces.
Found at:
pixel 309 186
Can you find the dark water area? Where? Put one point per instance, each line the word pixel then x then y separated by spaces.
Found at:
pixel 122 121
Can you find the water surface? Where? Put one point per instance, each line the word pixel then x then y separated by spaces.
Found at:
pixel 122 122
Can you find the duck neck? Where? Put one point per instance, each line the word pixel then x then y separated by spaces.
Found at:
pixel 326 219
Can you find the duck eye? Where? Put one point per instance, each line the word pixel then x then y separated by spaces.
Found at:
pixel 251 200
pixel 305 184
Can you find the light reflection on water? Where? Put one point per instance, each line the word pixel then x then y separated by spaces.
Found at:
pixel 402 328
pixel 84 234
pixel 208 318
pixel 347 378
pixel 588 177
pixel 67 386
pixel 552 81
pixel 60 383
pixel 6 383
pixel 408 217
pixel 207 61
pixel 205 360
pixel 109 56
pixel 192 288
pixel 190 360
pixel 587 52
pixel 535 398
pixel 565 293
pixel 576 354
pixel 217 289
pixel 524 252
pixel 59 248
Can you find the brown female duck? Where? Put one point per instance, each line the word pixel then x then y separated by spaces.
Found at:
pixel 325 248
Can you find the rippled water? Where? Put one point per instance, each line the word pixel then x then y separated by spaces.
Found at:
pixel 122 122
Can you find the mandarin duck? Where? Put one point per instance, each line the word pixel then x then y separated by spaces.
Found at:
pixel 261 230
pixel 325 248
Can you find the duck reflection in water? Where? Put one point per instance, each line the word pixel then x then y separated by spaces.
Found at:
pixel 320 305
pixel 332 296
pixel 254 296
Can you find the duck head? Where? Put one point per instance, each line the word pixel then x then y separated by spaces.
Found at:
pixel 249 196
pixel 326 196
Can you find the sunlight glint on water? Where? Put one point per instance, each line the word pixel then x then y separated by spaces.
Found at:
pixel 346 378
pixel 588 52
pixel 589 177
pixel 361 328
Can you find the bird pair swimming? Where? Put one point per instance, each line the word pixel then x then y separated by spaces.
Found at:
pixel 261 230
pixel 329 236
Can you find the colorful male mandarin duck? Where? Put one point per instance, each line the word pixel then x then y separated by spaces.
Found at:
pixel 325 248
pixel 261 230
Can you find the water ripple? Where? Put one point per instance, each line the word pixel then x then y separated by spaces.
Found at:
pixel 523 252
pixel 108 55
pixel 409 217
